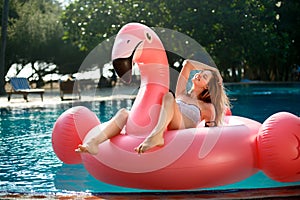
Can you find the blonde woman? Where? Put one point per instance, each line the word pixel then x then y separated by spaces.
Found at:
pixel 205 101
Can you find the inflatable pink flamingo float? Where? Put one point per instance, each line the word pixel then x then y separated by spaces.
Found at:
pixel 191 158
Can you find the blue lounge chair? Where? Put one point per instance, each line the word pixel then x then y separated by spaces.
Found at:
pixel 21 86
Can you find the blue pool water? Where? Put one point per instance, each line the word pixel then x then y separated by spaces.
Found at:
pixel 28 163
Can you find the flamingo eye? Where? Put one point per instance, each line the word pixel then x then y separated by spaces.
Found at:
pixel 148 37
pixel 128 41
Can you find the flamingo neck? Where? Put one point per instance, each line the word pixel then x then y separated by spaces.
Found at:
pixel 145 111
pixel 157 74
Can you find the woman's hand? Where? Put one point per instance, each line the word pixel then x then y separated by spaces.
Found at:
pixel 195 65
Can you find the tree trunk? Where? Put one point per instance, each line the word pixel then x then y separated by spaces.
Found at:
pixel 3 46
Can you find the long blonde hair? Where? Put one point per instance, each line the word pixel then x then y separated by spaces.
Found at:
pixel 215 94
pixel 218 97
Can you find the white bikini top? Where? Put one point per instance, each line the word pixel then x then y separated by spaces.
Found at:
pixel 189 110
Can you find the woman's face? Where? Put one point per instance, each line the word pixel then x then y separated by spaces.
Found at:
pixel 201 79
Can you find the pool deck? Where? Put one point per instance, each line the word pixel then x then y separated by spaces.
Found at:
pixel 292 192
pixel 51 97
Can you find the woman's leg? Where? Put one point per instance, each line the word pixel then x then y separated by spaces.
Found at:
pixel 169 114
pixel 113 128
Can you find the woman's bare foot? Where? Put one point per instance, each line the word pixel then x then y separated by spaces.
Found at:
pixel 150 142
pixel 89 147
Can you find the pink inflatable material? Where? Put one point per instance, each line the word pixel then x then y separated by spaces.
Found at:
pixel 279 147
pixel 191 158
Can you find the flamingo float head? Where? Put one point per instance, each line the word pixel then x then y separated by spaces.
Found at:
pixel 136 43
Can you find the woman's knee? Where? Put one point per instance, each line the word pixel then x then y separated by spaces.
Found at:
pixel 122 114
pixel 168 98
pixel 121 117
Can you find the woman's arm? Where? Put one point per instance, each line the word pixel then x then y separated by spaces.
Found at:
pixel 195 65
pixel 183 79
pixel 188 66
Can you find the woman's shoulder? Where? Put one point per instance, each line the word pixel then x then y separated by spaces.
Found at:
pixel 181 96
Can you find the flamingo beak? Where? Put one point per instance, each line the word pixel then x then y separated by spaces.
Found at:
pixel 123 66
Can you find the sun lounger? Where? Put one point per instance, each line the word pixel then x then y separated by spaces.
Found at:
pixel 69 87
pixel 21 86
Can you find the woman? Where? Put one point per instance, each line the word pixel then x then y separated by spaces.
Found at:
pixel 206 101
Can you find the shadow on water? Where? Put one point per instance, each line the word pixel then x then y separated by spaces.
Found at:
pixel 76 178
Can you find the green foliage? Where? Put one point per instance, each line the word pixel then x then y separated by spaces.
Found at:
pixel 255 36
pixel 35 36
pixel 35 30
pixel 89 22
pixel 255 39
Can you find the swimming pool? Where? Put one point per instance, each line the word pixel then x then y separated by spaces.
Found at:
pixel 28 163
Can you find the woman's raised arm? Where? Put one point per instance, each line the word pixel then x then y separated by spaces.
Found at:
pixel 195 65
pixel 183 79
